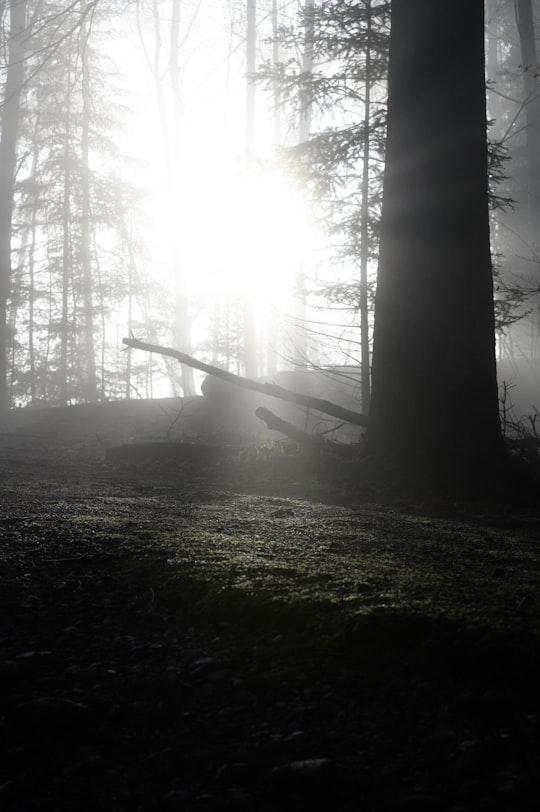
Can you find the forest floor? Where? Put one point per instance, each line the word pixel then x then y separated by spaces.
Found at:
pixel 230 633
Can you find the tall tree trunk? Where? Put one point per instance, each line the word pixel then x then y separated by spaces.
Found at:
pixel 89 383
pixel 250 326
pixel 276 88
pixel 32 293
pixel 271 339
pixel 130 301
pixel 492 55
pixel 531 88
pixel 67 258
pixel 365 383
pixel 251 49
pixel 32 238
pixel 434 403
pixel 182 329
pixel 300 355
pixel 25 267
pixel 172 144
pixel 8 156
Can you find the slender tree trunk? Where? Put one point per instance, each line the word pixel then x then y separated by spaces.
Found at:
pixel 89 383
pixel 306 107
pixel 216 324
pixel 271 339
pixel 251 48
pixel 67 258
pixel 32 240
pixel 434 402
pixel 492 55
pixel 130 300
pixel 16 304
pixel 531 86
pixel 250 326
pixel 159 85
pixel 300 356
pixel 32 293
pixel 182 328
pixel 24 284
pixel 8 155
pixel 276 89
pixel 100 296
pixel 365 384
pixel 172 143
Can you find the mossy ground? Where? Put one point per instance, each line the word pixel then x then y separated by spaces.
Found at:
pixel 211 637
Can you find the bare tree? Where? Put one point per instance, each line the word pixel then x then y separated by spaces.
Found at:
pixel 90 382
pixel 16 45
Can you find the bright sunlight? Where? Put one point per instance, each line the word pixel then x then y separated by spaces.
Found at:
pixel 239 228
pixel 244 234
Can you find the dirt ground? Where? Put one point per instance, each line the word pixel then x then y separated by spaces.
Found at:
pixel 219 630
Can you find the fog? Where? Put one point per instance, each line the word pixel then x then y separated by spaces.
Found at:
pixel 163 192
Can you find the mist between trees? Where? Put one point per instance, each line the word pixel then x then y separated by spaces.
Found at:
pixel 209 177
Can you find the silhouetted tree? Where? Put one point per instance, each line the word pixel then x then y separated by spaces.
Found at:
pixel 434 405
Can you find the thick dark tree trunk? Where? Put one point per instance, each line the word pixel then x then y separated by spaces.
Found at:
pixel 434 405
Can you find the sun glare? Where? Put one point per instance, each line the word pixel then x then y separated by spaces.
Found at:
pixel 244 234
pixel 239 231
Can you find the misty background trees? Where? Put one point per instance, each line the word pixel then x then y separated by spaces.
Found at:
pixel 209 177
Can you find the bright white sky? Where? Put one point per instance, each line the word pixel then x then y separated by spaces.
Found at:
pixel 236 232
pixel 239 235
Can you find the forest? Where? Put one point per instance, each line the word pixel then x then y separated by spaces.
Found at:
pixel 269 405
pixel 260 251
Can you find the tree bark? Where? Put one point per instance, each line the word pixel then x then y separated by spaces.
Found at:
pixel 250 326
pixel 300 344
pixel 364 228
pixel 8 156
pixel 67 259
pixel 245 383
pixel 89 383
pixel 434 400
pixel 182 319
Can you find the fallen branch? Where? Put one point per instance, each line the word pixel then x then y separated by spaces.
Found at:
pixel 311 441
pixel 271 389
